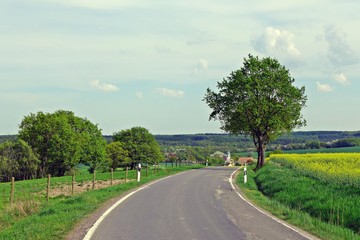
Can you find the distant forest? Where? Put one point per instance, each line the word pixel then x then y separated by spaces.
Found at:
pixel 241 143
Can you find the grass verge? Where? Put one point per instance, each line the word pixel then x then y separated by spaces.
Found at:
pixel 294 216
pixel 56 219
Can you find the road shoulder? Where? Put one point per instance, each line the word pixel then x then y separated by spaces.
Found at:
pixel 236 214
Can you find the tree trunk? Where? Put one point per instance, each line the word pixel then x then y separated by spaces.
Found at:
pixel 261 154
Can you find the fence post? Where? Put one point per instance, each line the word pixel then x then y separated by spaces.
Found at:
pixel 94 177
pixel 12 190
pixel 126 174
pixel 48 189
pixel 147 169
pixel 112 176
pixel 72 184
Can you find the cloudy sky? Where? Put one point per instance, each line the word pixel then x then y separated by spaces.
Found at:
pixel 125 63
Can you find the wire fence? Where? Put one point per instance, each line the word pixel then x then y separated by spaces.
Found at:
pixel 41 190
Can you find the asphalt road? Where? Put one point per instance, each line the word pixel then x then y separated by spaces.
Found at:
pixel 198 204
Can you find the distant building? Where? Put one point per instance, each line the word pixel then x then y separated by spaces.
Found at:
pixel 247 160
pixel 228 160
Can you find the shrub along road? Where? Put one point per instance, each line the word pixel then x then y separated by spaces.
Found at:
pixel 197 204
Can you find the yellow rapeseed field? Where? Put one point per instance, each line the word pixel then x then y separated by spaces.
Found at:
pixel 343 168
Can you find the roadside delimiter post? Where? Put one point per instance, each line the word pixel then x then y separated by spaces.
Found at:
pixel 139 172
pixel 245 174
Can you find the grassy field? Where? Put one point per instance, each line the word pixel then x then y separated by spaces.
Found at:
pixel 306 151
pixel 33 218
pixel 341 169
pixel 327 150
pixel 309 191
pixel 25 190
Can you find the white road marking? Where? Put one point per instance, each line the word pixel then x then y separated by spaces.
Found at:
pixel 265 213
pixel 104 215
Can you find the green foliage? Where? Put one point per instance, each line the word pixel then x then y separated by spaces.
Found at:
pixel 216 161
pixel 116 154
pixel 17 160
pixel 348 142
pixel 326 150
pixel 61 140
pixel 313 145
pixel 294 216
pixel 140 145
pixel 4 138
pixel 295 139
pixel 259 100
pixel 329 202
pixel 276 151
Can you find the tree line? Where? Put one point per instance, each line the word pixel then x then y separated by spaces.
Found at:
pixel 240 143
pixel 55 143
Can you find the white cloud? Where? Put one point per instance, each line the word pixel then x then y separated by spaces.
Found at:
pixel 139 95
pixel 201 65
pixel 106 87
pixel 323 87
pixel 341 79
pixel 340 52
pixel 170 92
pixel 277 43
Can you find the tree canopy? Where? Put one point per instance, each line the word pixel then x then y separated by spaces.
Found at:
pixel 259 100
pixel 17 160
pixel 61 140
pixel 140 145
pixel 117 156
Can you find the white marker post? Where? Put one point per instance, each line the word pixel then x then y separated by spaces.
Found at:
pixel 139 172
pixel 245 174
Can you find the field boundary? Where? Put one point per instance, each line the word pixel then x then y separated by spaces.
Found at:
pixel 293 228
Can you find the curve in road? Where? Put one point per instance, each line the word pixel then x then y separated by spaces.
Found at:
pixel 197 204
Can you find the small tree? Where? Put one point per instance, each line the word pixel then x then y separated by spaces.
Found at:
pixel 17 160
pixel 259 100
pixel 117 155
pixel 140 144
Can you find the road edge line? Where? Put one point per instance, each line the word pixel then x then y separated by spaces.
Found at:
pixel 263 212
pixel 93 228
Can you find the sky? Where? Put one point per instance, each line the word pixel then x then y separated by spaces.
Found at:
pixel 126 63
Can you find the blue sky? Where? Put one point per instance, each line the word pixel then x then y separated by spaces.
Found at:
pixel 125 63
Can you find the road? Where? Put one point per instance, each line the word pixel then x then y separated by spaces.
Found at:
pixel 197 204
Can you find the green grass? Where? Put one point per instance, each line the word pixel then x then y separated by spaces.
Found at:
pixel 326 150
pixel 289 199
pixel 57 218
pixel 355 149
pixel 36 188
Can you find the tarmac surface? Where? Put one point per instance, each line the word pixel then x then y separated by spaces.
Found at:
pixel 199 204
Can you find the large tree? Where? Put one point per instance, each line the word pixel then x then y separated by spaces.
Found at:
pixel 259 100
pixel 140 145
pixel 61 140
